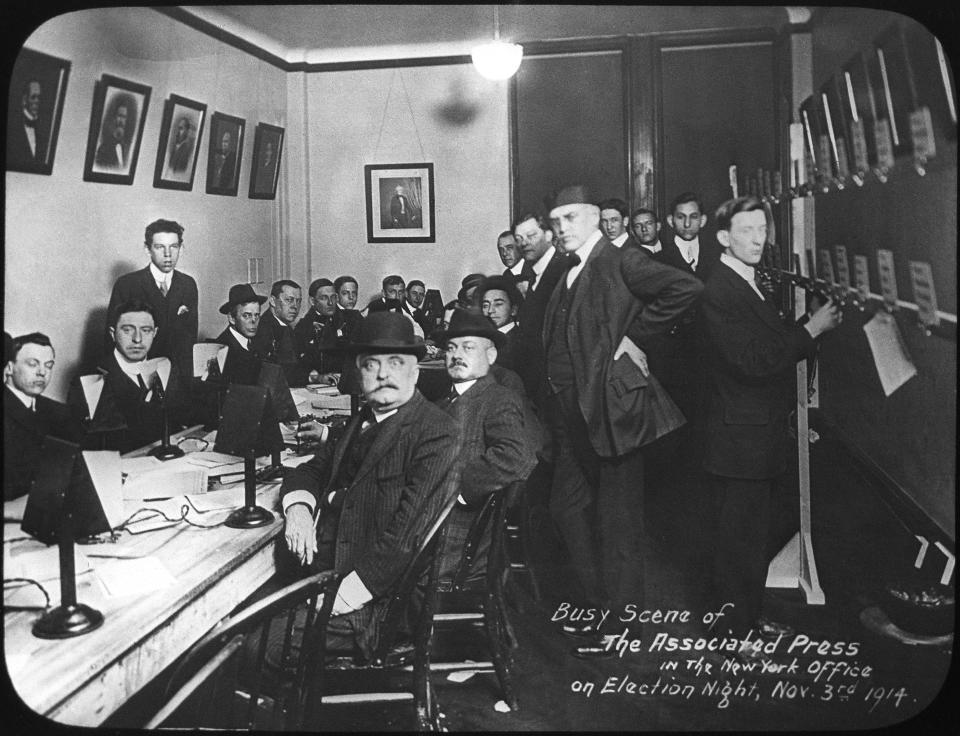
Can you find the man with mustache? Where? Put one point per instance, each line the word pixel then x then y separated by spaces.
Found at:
pixel 171 294
pixel 114 138
pixel 360 505
pixel 28 416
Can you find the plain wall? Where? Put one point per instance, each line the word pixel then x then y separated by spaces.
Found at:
pixel 67 240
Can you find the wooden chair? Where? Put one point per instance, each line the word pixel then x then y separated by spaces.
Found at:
pixel 490 611
pixel 232 658
pixel 519 527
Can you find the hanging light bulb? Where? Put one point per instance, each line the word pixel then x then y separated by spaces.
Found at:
pixel 497 59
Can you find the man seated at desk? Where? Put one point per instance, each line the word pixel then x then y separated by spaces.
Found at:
pixel 243 314
pixel 495 450
pixel 275 341
pixel 28 416
pixel 129 413
pixel 323 333
pixel 379 488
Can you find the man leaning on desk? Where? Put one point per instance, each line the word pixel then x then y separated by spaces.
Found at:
pixel 376 491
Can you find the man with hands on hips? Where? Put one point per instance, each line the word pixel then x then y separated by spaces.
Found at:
pixel 362 505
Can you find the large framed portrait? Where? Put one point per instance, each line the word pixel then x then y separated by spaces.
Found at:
pixel 38 86
pixel 400 207
pixel 225 153
pixel 267 146
pixel 177 152
pixel 116 128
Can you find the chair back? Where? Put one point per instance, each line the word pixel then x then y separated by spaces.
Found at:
pixel 490 520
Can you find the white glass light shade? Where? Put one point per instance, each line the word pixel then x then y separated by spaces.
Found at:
pixel 497 59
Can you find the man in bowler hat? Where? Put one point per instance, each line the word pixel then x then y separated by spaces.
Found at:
pixel 242 309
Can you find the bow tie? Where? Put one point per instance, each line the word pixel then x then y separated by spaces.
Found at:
pixel 29 123
pixel 573 260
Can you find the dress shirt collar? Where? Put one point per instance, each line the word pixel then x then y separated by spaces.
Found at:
pixel 540 266
pixel 517 267
pixel 380 418
pixel 279 321
pixel 689 249
pixel 583 252
pixel 244 341
pixel 655 248
pixel 747 273
pixel 507 327
pixel 132 370
pixel 159 276
pixel 24 398
pixel 411 308
pixel 620 239
pixel 462 387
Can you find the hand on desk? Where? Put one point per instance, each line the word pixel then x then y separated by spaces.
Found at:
pixel 329 379
pixel 312 431
pixel 299 532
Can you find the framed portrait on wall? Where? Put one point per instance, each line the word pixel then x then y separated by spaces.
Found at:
pixel 400 206
pixel 116 129
pixel 38 85
pixel 177 152
pixel 267 146
pixel 225 153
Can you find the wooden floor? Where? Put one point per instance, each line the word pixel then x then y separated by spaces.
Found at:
pixel 859 546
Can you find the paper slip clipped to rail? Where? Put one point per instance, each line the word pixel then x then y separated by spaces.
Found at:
pixel 133 577
pixel 894 366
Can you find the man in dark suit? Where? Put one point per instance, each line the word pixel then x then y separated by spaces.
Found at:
pixel 28 417
pixel 116 133
pixel 613 221
pixel 346 288
pixel 416 293
pixel 224 164
pixel 402 211
pixel 171 294
pixel 28 131
pixel 182 145
pixel 275 341
pixel 542 269
pixel 377 490
pixel 134 389
pixel 645 229
pixel 599 319
pixel 751 358
pixel 323 334
pixel 494 450
pixel 685 249
pixel 510 255
pixel 243 314
pixel 499 301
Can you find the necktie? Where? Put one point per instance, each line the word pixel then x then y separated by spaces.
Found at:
pixel 163 287
pixel 30 122
pixel 528 274
pixel 453 395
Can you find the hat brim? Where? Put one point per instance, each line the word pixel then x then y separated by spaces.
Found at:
pixel 494 335
pixel 225 307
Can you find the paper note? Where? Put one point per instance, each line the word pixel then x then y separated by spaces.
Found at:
pixel 39 564
pixel 843 267
pixel 92 389
pixel 861 276
pixel 889 352
pixel 166 484
pixel 203 353
pixel 133 577
pixel 888 279
pixel 104 468
pixel 212 460
pixel 924 295
pixel 131 466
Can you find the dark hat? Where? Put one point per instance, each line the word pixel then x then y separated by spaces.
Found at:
pixel 241 294
pixel 572 194
pixel 466 323
pixel 387 332
pixel 507 284
pixel 471 279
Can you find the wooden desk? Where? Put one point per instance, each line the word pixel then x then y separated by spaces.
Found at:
pixel 82 680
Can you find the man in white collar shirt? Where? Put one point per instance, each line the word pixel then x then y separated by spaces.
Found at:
pixel 379 488
pixel 600 317
pixel 499 301
pixel 613 221
pixel 171 294
pixel 686 249
pixel 28 133
pixel 645 228
pixel 275 341
pixel 346 288
pixel 751 358
pixel 28 416
pixel 242 309
pixel 509 252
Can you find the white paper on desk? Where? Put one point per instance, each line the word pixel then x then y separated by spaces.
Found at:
pixel 212 460
pixel 323 389
pixel 130 577
pixel 104 468
pixel 889 352
pixel 39 563
pixel 13 510
pixel 132 466
pixel 226 498
pixel 341 401
pixel 292 461
pixel 164 483
pixel 92 389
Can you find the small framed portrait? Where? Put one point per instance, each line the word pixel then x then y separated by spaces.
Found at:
pixel 179 146
pixel 400 204
pixel 38 86
pixel 224 154
pixel 267 146
pixel 116 128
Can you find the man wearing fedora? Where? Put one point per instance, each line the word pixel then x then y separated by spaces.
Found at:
pixel 495 450
pixel 376 491
pixel 243 314
pixel 598 320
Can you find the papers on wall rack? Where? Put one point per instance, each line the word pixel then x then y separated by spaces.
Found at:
pixel 894 365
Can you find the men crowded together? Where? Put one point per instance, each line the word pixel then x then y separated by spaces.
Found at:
pixel 593 310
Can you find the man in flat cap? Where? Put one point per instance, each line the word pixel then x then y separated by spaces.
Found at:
pixel 377 490
pixel 242 309
pixel 495 451
pixel 600 316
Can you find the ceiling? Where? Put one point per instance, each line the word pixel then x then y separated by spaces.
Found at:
pixel 317 34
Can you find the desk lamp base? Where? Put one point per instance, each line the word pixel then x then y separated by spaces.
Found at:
pixel 249 517
pixel 166 452
pixel 63 622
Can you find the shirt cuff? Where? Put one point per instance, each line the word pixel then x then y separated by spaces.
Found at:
pixel 461 499
pixel 353 593
pixel 298 497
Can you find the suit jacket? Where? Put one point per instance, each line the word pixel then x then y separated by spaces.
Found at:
pixel 530 358
pixel 508 353
pixel 176 314
pixel 276 343
pixel 751 356
pixel 180 158
pixel 324 351
pixel 23 435
pixel 106 155
pixel 224 179
pixel 18 147
pixel 707 259
pixel 242 365
pixel 142 421
pixel 619 293
pixel 406 476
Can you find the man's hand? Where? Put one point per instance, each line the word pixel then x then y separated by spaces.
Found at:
pixel 824 319
pixel 299 532
pixel 312 431
pixel 638 357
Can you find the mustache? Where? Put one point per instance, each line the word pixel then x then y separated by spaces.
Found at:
pixel 387 384
pixel 454 362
